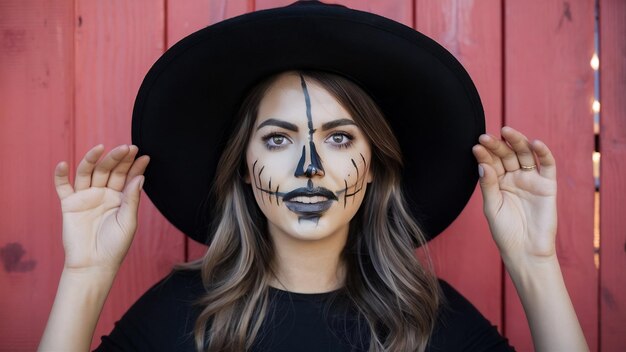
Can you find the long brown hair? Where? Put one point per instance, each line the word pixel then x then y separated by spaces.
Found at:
pixel 388 286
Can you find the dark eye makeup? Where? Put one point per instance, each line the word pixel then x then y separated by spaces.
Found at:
pixel 276 140
pixel 340 140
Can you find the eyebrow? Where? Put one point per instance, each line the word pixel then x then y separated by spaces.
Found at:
pixel 337 123
pixel 279 123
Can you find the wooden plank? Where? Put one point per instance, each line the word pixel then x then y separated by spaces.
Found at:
pixel 549 91
pixel 36 114
pixel 398 10
pixel 116 43
pixel 613 171
pixel 472 32
pixel 184 18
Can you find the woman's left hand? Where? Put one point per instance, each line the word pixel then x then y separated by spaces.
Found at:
pixel 519 199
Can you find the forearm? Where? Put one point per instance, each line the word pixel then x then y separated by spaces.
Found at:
pixel 77 306
pixel 551 316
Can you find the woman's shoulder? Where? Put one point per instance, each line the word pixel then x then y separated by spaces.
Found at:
pixel 162 319
pixel 461 326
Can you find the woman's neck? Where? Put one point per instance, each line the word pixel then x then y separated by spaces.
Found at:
pixel 308 266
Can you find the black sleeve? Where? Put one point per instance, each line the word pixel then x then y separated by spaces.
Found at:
pixel 161 320
pixel 461 327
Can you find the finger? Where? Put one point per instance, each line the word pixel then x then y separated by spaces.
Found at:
pixel 86 166
pixel 62 180
pixel 490 188
pixel 127 214
pixel 520 145
pixel 103 169
pixel 138 167
pixel 546 159
pixel 483 155
pixel 500 149
pixel 117 177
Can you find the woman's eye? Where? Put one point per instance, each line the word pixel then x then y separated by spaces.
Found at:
pixel 342 140
pixel 275 141
pixel 278 140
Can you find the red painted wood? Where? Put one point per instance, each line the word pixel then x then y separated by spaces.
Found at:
pixel 613 171
pixel 472 32
pixel 184 18
pixel 548 95
pixel 398 10
pixel 549 91
pixel 116 43
pixel 36 78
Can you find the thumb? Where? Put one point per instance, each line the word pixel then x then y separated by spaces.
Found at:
pixel 490 188
pixel 130 203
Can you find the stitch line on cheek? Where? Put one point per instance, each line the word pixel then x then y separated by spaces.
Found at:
pixel 258 184
pixel 364 169
pixel 261 184
pixel 345 194
pixel 357 176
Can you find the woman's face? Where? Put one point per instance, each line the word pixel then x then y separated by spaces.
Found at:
pixel 308 162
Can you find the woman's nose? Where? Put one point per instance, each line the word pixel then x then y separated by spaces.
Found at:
pixel 312 161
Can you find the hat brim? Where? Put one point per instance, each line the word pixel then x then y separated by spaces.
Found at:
pixel 185 107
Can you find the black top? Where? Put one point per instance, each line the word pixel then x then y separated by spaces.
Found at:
pixel 163 319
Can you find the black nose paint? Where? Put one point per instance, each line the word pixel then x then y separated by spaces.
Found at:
pixel 315 167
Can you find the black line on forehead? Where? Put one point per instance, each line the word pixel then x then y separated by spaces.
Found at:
pixel 315 161
pixel 307 101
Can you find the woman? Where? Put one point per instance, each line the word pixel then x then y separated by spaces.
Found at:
pixel 311 238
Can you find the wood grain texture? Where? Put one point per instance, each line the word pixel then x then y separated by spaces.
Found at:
pixel 549 91
pixel 36 116
pixel 612 175
pixel 398 10
pixel 471 31
pixel 116 43
pixel 186 17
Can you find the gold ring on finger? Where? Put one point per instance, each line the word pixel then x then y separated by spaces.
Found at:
pixel 528 168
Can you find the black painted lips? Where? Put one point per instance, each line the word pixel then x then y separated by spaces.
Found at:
pixel 309 208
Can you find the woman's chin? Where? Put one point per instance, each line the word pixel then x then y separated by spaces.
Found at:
pixel 310 228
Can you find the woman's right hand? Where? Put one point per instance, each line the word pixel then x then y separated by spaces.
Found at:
pixel 100 210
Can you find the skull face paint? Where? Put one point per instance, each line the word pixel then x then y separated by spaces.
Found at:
pixel 308 162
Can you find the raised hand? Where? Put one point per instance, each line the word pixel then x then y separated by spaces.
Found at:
pixel 100 210
pixel 518 184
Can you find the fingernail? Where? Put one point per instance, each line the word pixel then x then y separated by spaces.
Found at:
pixel 481 172
pixel 141 183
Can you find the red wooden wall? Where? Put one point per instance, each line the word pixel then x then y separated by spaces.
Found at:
pixel 69 72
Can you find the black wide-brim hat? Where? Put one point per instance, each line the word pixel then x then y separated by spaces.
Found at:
pixel 184 110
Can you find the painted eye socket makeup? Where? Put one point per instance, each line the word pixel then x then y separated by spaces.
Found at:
pixel 340 140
